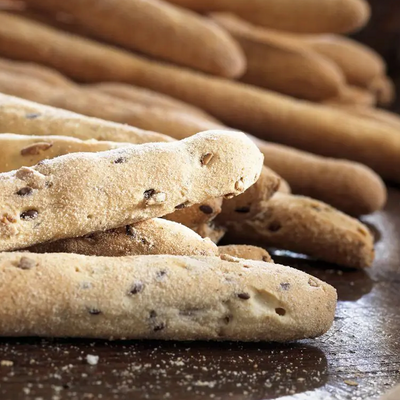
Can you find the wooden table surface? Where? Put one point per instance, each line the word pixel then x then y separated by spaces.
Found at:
pixel 359 358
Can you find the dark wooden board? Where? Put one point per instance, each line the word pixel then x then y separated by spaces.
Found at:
pixel 359 358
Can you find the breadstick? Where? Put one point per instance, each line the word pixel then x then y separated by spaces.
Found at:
pixel 96 104
pixel 311 127
pixel 212 231
pixel 147 97
pixel 352 95
pixel 22 150
pixel 285 67
pixel 154 236
pixel 310 227
pixel 160 297
pixel 245 252
pixel 198 214
pixel 384 90
pixel 28 118
pixel 156 28
pixel 312 16
pixel 80 193
pixel 351 187
pixel 45 74
pixel 250 203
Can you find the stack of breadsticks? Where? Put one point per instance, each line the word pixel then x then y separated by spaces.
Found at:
pixel 112 202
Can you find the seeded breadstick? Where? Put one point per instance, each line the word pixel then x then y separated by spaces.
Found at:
pixel 310 227
pixel 285 67
pixel 160 297
pixel 271 116
pixel 250 203
pixel 23 150
pixel 96 104
pixel 76 194
pixel 154 236
pixel 148 98
pixel 28 118
pixel 352 95
pixel 45 74
pixel 156 28
pixel 313 16
pixel 211 230
pixel 245 252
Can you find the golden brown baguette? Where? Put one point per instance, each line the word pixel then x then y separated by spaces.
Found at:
pixel 309 227
pixel 312 16
pixel 156 28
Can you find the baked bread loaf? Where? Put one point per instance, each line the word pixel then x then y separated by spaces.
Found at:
pixel 160 297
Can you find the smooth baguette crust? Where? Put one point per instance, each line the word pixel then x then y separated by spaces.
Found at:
pixel 29 118
pixel 158 29
pixel 160 297
pixel 151 237
pixel 314 16
pixel 309 227
pixel 245 252
pixel 81 193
